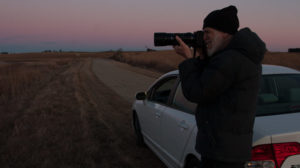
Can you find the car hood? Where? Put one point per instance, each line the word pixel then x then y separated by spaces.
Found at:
pixel 277 128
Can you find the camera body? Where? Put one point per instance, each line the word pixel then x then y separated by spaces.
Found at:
pixel 194 40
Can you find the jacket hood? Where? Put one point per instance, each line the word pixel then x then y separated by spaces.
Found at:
pixel 249 44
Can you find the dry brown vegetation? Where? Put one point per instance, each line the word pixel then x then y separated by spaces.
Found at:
pixel 21 74
pixel 291 60
pixel 21 126
pixel 164 61
pixel 18 79
pixel 54 112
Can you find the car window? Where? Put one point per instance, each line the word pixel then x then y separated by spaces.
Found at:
pixel 181 103
pixel 279 94
pixel 161 91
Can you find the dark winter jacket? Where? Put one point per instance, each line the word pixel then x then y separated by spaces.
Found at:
pixel 225 87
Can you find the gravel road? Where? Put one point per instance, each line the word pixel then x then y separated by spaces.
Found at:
pixel 120 83
pixel 124 82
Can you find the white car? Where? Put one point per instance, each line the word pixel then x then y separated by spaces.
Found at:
pixel 164 120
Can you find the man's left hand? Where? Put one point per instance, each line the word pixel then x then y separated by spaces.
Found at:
pixel 182 49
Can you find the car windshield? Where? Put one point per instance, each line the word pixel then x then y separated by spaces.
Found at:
pixel 279 94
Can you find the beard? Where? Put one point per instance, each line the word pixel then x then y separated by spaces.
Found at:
pixel 217 44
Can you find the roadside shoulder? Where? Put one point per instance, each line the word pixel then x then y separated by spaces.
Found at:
pixel 143 71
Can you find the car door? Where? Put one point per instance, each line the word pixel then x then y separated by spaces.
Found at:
pixel 154 106
pixel 177 125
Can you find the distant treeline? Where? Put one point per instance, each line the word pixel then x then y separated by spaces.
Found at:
pixel 294 49
pixel 4 52
pixel 50 51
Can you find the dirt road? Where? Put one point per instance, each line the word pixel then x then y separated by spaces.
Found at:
pixel 81 117
pixel 124 82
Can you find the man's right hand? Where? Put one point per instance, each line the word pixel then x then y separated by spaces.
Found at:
pixel 182 49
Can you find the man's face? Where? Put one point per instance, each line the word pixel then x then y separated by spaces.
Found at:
pixel 214 40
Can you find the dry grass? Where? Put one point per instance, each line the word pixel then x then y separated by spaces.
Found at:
pixel 35 121
pixel 48 120
pixel 20 82
pixel 20 74
pixel 55 55
pixel 17 80
pixel 164 61
pixel 291 60
pixel 55 113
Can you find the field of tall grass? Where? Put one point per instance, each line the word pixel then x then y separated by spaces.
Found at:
pixel 21 74
pixel 164 61
pixel 20 83
pixel 291 60
pixel 45 121
pixel 53 55
pixel 161 61
pixel 19 80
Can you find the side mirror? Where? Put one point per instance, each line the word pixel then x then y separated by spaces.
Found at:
pixel 140 96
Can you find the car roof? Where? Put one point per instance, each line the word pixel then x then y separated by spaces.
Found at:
pixel 266 70
pixel 276 69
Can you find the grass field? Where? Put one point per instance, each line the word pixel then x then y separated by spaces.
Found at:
pixel 21 74
pixel 54 112
pixel 164 61
pixel 50 105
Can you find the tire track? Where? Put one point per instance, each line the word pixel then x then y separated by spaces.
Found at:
pixel 114 114
pixel 74 120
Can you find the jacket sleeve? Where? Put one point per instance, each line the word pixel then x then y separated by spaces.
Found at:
pixel 204 82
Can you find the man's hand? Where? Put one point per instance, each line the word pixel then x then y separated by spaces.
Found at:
pixel 182 49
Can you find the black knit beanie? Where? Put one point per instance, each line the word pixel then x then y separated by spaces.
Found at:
pixel 224 20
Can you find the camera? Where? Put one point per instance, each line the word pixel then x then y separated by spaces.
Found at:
pixel 191 39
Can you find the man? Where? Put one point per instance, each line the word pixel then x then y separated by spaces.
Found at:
pixel 225 86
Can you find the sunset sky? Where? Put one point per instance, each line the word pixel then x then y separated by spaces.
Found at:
pixel 100 25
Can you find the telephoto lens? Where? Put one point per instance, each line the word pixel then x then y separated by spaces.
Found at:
pixel 191 39
pixel 166 39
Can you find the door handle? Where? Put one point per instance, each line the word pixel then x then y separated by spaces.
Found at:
pixel 157 114
pixel 183 125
